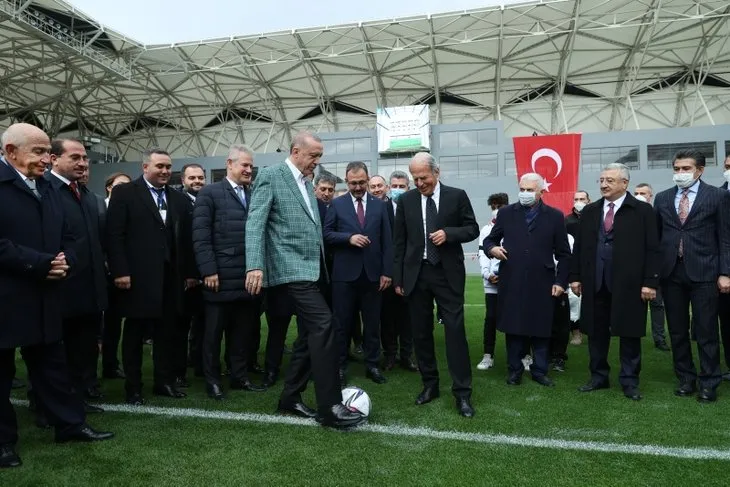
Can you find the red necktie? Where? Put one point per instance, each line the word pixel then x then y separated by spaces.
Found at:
pixel 360 213
pixel 75 188
pixel 608 219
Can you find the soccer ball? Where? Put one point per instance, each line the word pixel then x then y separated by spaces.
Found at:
pixel 357 400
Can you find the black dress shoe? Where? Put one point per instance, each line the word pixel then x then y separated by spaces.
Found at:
pixel 84 434
pixel 559 365
pixel 375 375
pixel 543 380
pixel 686 389
pixel 296 409
pixel 389 363
pixel 8 457
pixel 214 391
pixel 181 383
pixel 90 409
pixel 168 391
pixel 113 374
pixel 707 395
pixel 135 400
pixel 662 346
pixel 632 393
pixel 408 365
pixel 246 385
pixel 93 394
pixel 427 395
pixel 340 417
pixel 17 384
pixel 463 405
pixel 270 379
pixel 593 386
pixel 514 379
pixel 255 368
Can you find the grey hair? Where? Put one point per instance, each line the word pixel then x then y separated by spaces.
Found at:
pixel 535 178
pixel 302 140
pixel 325 177
pixel 237 149
pixel 646 185
pixel 623 169
pixel 16 134
pixel 425 157
pixel 378 176
pixel 400 175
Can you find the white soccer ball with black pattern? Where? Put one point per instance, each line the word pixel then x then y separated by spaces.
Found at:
pixel 356 399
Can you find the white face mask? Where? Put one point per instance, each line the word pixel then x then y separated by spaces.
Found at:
pixel 494 214
pixel 726 175
pixel 683 179
pixel 640 198
pixel 527 198
pixel 579 205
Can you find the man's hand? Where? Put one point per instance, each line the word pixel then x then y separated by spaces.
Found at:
pixel 399 291
pixel 723 284
pixel 59 259
pixel 211 282
pixel 493 279
pixel 384 283
pixel 59 268
pixel 56 274
pixel 124 282
pixel 498 253
pixel 358 240
pixel 190 283
pixel 438 237
pixel 577 288
pixel 254 282
pixel 648 294
pixel 557 290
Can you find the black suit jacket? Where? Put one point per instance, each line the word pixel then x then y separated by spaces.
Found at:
pixel 137 239
pixel 85 290
pixel 705 234
pixel 32 233
pixel 455 217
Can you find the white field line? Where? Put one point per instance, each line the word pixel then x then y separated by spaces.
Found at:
pixel 408 431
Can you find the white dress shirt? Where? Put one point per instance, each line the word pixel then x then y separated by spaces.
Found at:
pixel 63 180
pixel 616 205
pixel 436 196
pixel 300 179
pixel 153 193
pixel 364 200
pixel 395 207
pixel 691 195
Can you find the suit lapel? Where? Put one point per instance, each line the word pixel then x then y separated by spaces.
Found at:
pixel 232 192
pixel 144 193
pixel 288 178
pixel 699 201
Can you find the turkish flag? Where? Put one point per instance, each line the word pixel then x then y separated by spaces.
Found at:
pixel 555 158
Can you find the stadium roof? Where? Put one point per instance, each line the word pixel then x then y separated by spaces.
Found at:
pixel 549 66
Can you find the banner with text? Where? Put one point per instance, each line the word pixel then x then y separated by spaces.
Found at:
pixel 556 159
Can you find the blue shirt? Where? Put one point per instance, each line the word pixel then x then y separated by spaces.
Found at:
pixel 691 194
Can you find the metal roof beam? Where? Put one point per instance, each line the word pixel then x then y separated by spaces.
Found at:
pixel 375 77
pixel 434 67
pixel 323 98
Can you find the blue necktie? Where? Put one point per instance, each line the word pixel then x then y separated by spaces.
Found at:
pixel 161 204
pixel 241 195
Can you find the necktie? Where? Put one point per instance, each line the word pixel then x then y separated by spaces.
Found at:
pixel 608 219
pixel 31 185
pixel 432 251
pixel 241 195
pixel 161 204
pixel 75 189
pixel 683 212
pixel 360 213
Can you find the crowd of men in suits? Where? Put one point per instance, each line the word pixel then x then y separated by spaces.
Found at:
pixel 183 269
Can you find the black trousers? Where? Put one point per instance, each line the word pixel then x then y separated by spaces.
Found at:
pixel 490 323
pixel 235 319
pixel 656 308
pixel 82 349
pixel 432 284
pixel 111 333
pixel 192 329
pixel 253 341
pixel 561 328
pixel 723 307
pixel 279 311
pixel 679 293
pixel 600 341
pixel 396 336
pixel 314 353
pixel 48 372
pixel 359 297
pixel 519 345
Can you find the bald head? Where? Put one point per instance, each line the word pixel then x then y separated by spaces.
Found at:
pixel 27 148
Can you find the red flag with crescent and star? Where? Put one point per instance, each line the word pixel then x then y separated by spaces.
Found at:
pixel 556 159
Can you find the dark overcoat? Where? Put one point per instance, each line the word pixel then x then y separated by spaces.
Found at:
pixel 635 264
pixel 527 276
